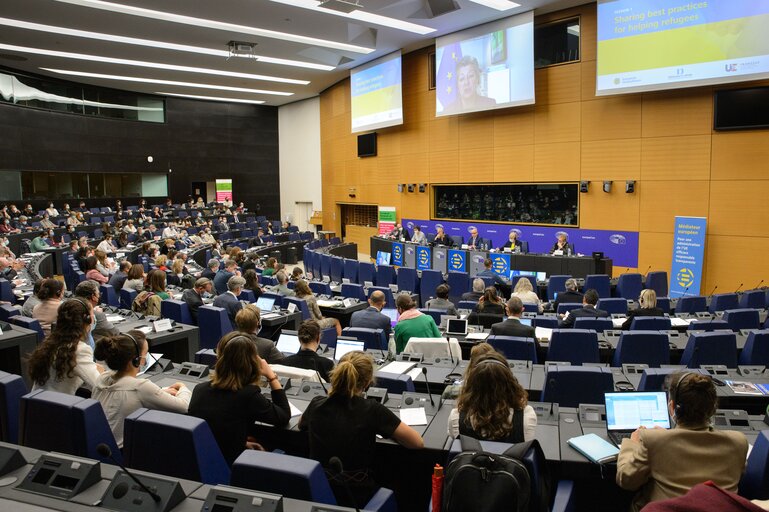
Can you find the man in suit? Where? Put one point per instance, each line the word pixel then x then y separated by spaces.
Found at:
pixel 513 326
pixel 211 269
pixel 399 232
pixel 372 317
pixel 118 279
pixel 477 293
pixel 282 288
pixel 487 272
pixel 570 296
pixel 194 296
pixel 588 310
pixel 475 241
pixel 441 300
pixel 229 300
pixel 223 276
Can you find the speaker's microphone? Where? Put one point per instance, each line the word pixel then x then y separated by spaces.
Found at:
pixel 759 284
pixel 714 290
pixel 738 288
pixel 105 451
pixel 685 290
pixel 335 464
pixel 448 344
pixel 427 384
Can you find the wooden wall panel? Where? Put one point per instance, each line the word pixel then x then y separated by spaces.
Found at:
pixel 514 164
pixel 415 168
pixel 557 84
pixel 611 160
pixel 360 235
pixel 676 158
pixel 444 167
pixel 738 208
pixel 662 201
pixel 476 131
pixel 611 118
pixel 556 123
pixel 514 127
pixel 655 251
pixel 672 113
pixel 732 261
pixel 444 134
pixel 623 208
pixel 740 156
pixel 476 165
pixel 556 162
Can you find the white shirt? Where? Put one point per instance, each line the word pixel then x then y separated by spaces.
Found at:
pixel 106 247
pixel 122 397
pixel 170 232
pixel 529 423
pixel 53 212
pixel 83 374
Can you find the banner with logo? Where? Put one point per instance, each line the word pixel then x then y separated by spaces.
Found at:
pixel 688 256
pixel 457 261
pixel 620 246
pixel 223 190
pixel 500 264
pixel 386 219
pixel 424 258
pixel 397 254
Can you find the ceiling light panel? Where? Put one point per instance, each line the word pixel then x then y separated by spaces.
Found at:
pixel 217 25
pixel 500 5
pixel 211 98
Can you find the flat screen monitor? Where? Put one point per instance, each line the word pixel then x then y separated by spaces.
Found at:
pixel 265 303
pixel 649 45
pixel 382 258
pixel 628 411
pixel 376 94
pixel 485 67
pixel 741 109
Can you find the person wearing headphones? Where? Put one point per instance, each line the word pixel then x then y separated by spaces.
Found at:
pixel 662 464
pixel 647 303
pixel 121 392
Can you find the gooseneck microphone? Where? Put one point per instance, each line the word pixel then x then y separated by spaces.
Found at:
pixel 759 284
pixel 320 379
pixel 335 464
pixel 714 290
pixel 427 384
pixel 739 288
pixel 448 344
pixel 105 451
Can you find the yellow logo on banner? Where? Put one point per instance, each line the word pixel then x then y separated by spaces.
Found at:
pixel 685 277
pixel 456 262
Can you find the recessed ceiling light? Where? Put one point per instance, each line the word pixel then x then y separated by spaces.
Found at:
pixel 212 98
pixel 165 82
pixel 500 5
pixel 153 44
pixel 217 25
pixel 155 65
pixel 364 16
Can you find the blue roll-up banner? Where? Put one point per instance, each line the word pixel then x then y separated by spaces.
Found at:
pixel 424 260
pixel 457 261
pixel 500 264
pixel 397 253
pixel 688 256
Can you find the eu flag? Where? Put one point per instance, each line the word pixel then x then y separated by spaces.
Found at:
pixel 446 79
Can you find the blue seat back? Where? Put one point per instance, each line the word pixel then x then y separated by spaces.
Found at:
pixel 366 272
pixel 435 314
pixel 407 279
pixel 723 301
pixel 629 286
pixel 754 484
pixel 127 298
pixel 173 444
pixel 328 337
pixel 7 311
pixel 350 270
pixel 646 347
pixel 657 281
pixel 706 325
pixel 353 291
pixel 430 281
pixel 650 323
pixel 569 386
pixel 12 388
pixel 549 322
pixel 742 319
pixel 515 347
pixel 301 305
pixel 109 295
pixel 28 323
pixel 6 291
pixel 268 280
pixel 206 356
pixel 385 275
pixel 320 288
pixel 556 284
pixel 80 425
pixel 599 283
pixel 664 304
pixel 176 310
pixel 247 295
pixel 467 304
pixel 565 307
pixel 394 382
pixel 372 338
pixel 756 350
pixel 754 299
pixel 214 323
pixel 388 293
pixel 577 346
pixel 337 269
pixel 593 324
pixel 710 348
pixel 692 304
pixel 278 298
pixel 325 265
pixel 613 306
pixel 656 379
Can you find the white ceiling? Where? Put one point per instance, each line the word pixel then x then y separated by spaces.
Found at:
pixel 264 14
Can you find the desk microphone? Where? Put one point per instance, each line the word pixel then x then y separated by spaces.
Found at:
pixel 335 464
pixel 448 343
pixel 686 290
pixel 759 284
pixel 714 290
pixel 738 288
pixel 427 384
pixel 105 451
pixel 320 379
pixel 648 269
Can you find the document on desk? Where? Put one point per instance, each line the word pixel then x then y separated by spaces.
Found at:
pixel 330 304
pixel 115 318
pixel 397 367
pixel 617 322
pixel 295 411
pixel 414 373
pixel 543 333
pixel 477 336
pixel 680 322
pixel 413 416
pixel 145 329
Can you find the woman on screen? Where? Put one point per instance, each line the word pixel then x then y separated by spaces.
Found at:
pixel 468 81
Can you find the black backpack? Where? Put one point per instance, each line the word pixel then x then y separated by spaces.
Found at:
pixel 477 480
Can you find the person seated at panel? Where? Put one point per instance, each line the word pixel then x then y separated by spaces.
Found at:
pixel 119 278
pixel 302 290
pixel 512 326
pixel 229 300
pixel 412 323
pixel 38 243
pixel 249 321
pixel 490 304
pixel 418 237
pixel 282 287
pixel 647 306
pixel 588 310
pixel 249 263
pixel 477 291
pixel 33 300
pixel 662 464
pixel 120 391
pixel 252 282
pixel 194 296
pixel 487 272
pixel 475 242
pixel 492 405
pixel 224 274
pixel 399 232
pixel 562 244
pixel 307 357
pixel 232 401
pixel 50 295
pixel 468 99
pixel 91 272
pixel 512 244
pixel 106 245
pixel 296 274
pixel 89 291
pixel 570 296
pixel 46 222
pixel 441 300
pixel 135 279
pixel 212 267
pixel 372 317
pixel 270 267
pixel 525 291
pixel 63 362
pixel 441 238
pixel 346 425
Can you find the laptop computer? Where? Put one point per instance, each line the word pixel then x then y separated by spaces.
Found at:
pixel 456 326
pixel 288 343
pixel 525 321
pixel 625 412
pixel 265 303
pixel 392 314
pixel 344 346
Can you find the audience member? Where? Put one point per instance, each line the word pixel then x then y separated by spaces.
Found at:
pixel 442 300
pixel 89 291
pixel 249 321
pixel 525 291
pixel 588 310
pixel 647 306
pixel 412 323
pixel 512 326
pixel 119 278
pixel 135 278
pixel 229 300
pixel 50 295
pixel 282 287
pixel 223 276
pixel 307 357
pixel 477 291
pixel 302 290
pixel 372 317
pixel 194 296
pixel 570 296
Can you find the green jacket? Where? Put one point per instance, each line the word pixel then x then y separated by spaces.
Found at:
pixel 422 326
pixel 38 244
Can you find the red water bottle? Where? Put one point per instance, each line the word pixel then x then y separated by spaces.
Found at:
pixel 437 487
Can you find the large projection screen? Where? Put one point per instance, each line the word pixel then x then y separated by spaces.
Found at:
pixel 649 45
pixel 376 94
pixel 486 67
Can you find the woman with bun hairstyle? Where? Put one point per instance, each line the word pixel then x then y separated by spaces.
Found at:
pixel 345 425
pixel 64 361
pixel 50 295
pixel 121 392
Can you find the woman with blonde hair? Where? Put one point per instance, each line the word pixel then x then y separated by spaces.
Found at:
pixel 647 306
pixel 525 291
pixel 345 425
pixel 302 291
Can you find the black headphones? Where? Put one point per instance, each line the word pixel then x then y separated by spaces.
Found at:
pixel 136 361
pixel 674 394
pixel 86 309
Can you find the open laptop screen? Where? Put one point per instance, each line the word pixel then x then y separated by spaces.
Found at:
pixel 265 303
pixel 392 314
pixel 288 342
pixel 344 346
pixel 628 411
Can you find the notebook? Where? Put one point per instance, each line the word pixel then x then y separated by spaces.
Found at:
pixel 594 448
pixel 625 412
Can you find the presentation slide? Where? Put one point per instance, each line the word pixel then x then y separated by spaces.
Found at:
pixel 649 45
pixel 486 67
pixel 377 99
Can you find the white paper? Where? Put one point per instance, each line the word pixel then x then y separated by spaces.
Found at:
pixel 414 373
pixel 295 411
pixel 397 367
pixel 413 416
pixel 162 325
pixel 151 359
pixel 617 322
pixel 115 318
pixel 543 333
pixel 681 322
pixel 477 336
pixel 145 329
